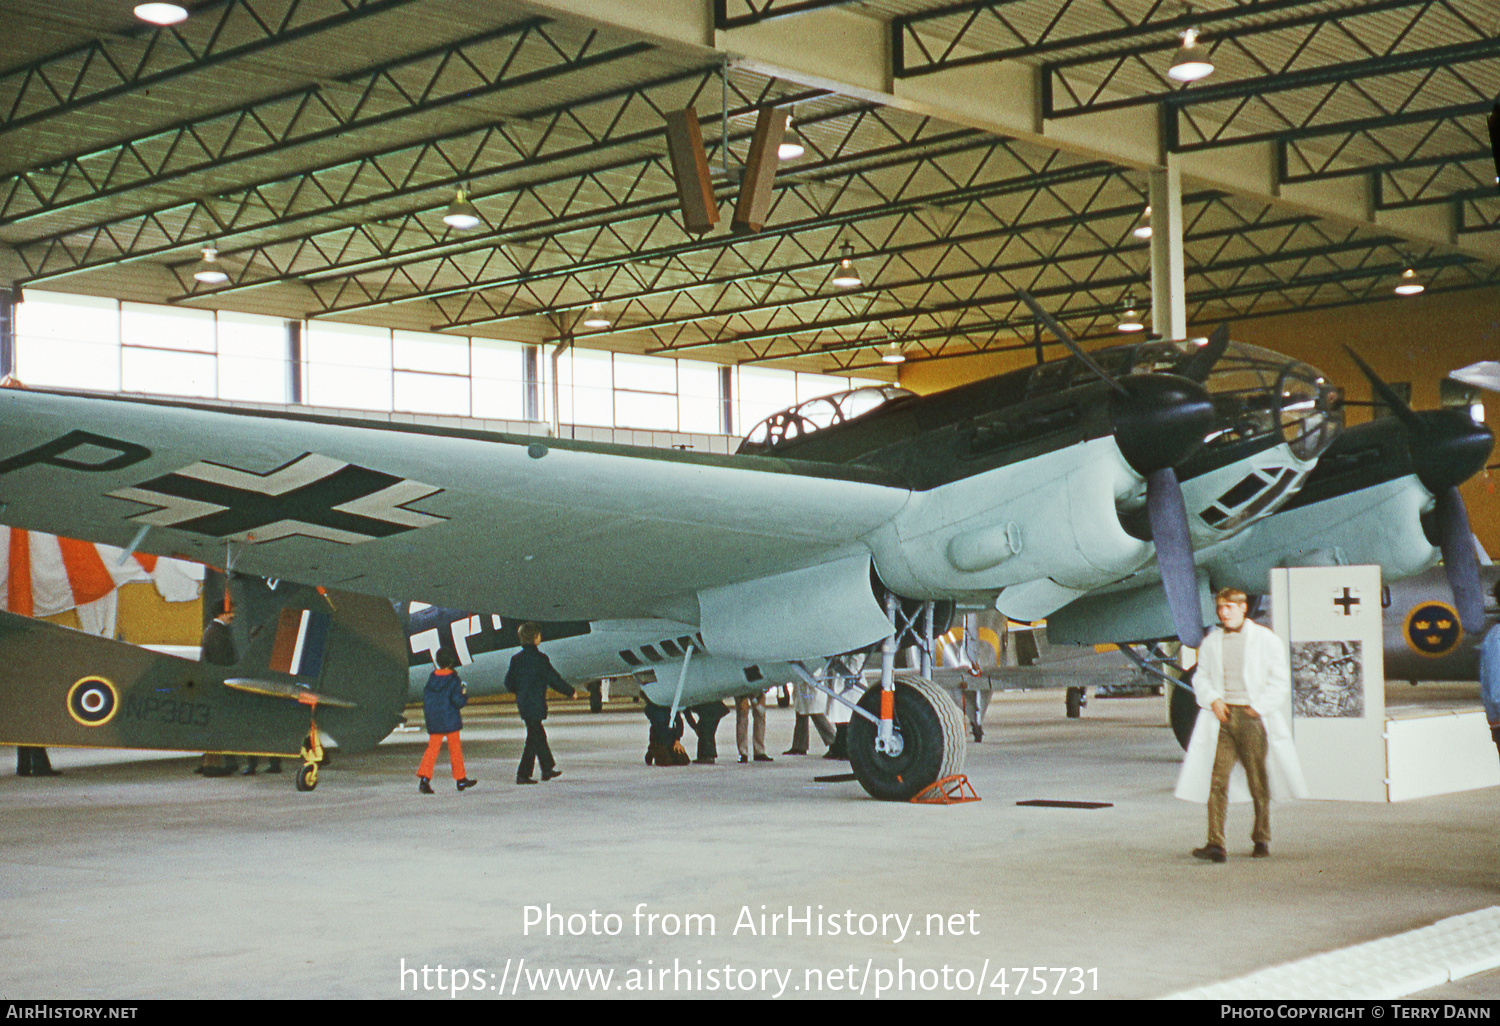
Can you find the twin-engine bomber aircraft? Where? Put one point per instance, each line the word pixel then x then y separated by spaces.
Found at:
pixel 834 523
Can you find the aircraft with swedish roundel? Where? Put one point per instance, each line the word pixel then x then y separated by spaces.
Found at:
pixel 850 524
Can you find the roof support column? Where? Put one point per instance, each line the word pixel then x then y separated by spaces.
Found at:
pixel 8 300
pixel 557 351
pixel 1168 294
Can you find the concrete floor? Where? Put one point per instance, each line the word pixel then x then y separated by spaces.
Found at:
pixel 134 878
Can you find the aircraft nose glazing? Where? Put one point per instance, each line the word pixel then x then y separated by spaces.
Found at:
pixel 1160 420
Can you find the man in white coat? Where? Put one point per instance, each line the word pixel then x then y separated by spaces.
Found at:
pixel 1243 684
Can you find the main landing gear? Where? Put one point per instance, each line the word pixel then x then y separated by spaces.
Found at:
pixel 1182 709
pixel 905 734
pixel 1182 702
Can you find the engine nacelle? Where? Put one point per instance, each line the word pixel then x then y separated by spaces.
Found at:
pixel 1380 525
pixel 1048 522
pixel 816 611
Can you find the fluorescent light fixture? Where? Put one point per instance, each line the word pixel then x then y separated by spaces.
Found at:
pixel 209 271
pixel 845 276
pixel 1410 284
pixel 461 213
pixel 1191 62
pixel 892 353
pixel 161 14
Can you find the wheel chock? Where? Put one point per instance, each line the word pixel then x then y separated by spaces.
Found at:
pixel 948 791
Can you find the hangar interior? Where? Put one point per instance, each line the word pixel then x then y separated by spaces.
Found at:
pixel 309 152
pixel 959 152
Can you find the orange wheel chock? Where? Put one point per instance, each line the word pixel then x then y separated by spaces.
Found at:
pixel 948 791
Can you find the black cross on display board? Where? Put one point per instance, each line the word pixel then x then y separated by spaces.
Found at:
pixel 1346 602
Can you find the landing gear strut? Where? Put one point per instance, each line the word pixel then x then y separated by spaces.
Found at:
pixel 905 733
pixel 312 757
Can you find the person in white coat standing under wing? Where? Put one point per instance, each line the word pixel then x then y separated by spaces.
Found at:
pixel 1244 685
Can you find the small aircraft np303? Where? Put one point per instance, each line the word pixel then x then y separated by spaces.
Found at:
pixel 1109 489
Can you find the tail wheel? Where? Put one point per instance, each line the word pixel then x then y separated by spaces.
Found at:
pixel 1182 709
pixel 932 741
pixel 307 777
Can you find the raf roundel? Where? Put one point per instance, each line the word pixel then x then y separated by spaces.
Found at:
pixel 93 701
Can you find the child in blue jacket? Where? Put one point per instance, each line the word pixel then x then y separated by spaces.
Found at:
pixel 441 701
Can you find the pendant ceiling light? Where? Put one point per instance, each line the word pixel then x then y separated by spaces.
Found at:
pixel 161 14
pixel 1410 284
pixel 1143 230
pixel 595 317
pixel 892 353
pixel 1131 321
pixel 844 275
pixel 791 143
pixel 209 271
pixel 1191 62
pixel 461 213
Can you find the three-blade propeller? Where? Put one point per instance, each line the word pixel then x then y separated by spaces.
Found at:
pixel 1159 421
pixel 1447 448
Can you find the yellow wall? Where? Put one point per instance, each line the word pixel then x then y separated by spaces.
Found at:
pixel 146 619
pixel 1418 339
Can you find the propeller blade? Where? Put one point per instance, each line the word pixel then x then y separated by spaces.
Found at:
pixel 1067 340
pixel 1459 559
pixel 1174 553
pixel 1388 395
pixel 1201 364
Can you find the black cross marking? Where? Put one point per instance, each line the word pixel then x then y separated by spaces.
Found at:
pixel 1346 602
pixel 312 504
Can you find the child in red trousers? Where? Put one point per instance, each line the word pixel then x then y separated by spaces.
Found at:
pixel 442 699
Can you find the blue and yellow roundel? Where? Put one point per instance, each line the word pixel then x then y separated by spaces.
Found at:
pixel 93 701
pixel 1432 629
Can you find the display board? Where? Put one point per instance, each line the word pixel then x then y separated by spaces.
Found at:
pixel 1330 618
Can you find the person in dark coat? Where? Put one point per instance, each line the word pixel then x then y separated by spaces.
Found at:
pixel 663 747
pixel 217 647
pixel 704 719
pixel 530 675
pixel 442 699
pixel 218 640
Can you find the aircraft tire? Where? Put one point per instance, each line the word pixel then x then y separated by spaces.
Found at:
pixel 1182 709
pixel 932 734
pixel 307 778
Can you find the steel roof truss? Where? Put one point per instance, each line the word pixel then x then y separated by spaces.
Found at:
pixel 300 116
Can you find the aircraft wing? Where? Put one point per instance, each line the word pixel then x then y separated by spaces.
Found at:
pixel 538 527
